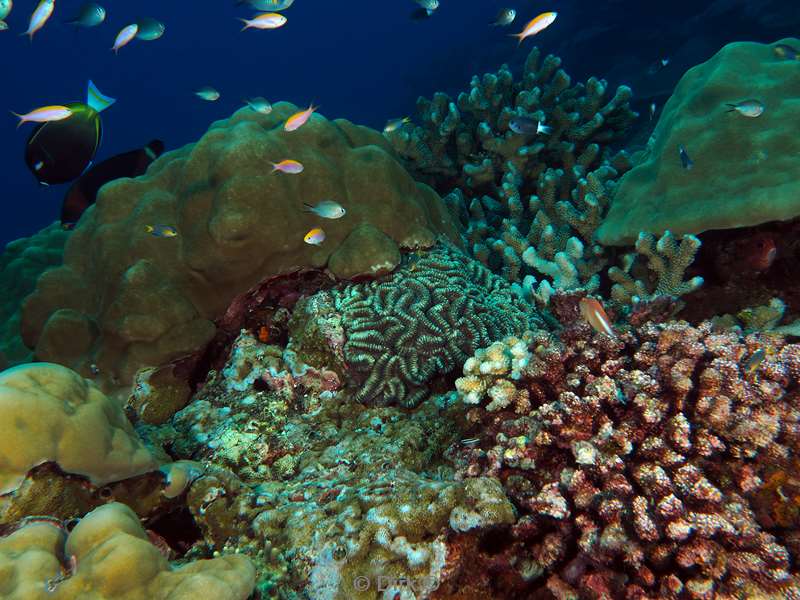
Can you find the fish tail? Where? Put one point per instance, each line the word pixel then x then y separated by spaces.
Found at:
pixel 732 107
pixel 308 207
pixel 246 24
pixel 96 99
pixel 275 167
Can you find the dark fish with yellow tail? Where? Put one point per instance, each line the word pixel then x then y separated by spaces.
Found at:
pixel 83 192
pixel 60 151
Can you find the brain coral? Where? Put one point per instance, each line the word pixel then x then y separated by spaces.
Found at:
pixel 125 298
pixel 745 169
pixel 108 556
pixel 426 319
pixel 50 413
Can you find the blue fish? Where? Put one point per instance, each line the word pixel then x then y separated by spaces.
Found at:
pixel 687 162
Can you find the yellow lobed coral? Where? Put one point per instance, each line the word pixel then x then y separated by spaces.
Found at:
pixel 108 557
pixel 50 413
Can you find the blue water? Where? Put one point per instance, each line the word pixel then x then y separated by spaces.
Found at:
pixel 365 61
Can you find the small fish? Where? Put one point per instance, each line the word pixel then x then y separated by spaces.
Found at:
pixel 755 253
pixel 505 17
pixel 45 114
pixel 125 37
pixel 395 124
pixel 265 21
pixel 94 369
pixel 686 162
pixel 5 9
pixel 164 231
pixel 327 209
pixel 291 167
pixel 89 15
pixel 471 441
pixel 755 360
pixel 263 334
pixel 596 316
pixel 150 29
pixel 315 237
pixel 298 119
pixel 782 51
pixel 657 66
pixel 267 5
pixel 429 6
pixel 652 110
pixel 747 108
pixel 260 105
pixel 536 25
pixel 207 93
pixel 527 126
pixel 39 17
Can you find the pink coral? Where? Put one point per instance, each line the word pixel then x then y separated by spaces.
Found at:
pixel 643 460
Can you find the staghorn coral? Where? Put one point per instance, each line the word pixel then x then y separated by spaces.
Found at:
pixel 530 203
pixel 640 468
pixel 108 556
pixel 667 261
pixel 124 299
pixel 756 181
pixel 423 321
pixel 50 413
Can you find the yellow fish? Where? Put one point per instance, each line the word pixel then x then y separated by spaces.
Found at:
pixel 292 167
pixel 40 16
pixel 45 114
pixel 265 21
pixel 315 237
pixel 395 124
pixel 167 231
pixel 536 25
pixel 298 119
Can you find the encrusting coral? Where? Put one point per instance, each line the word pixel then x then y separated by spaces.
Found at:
pixel 637 471
pixel 423 321
pixel 530 202
pixel 49 413
pixel 108 556
pixel 126 299
pixel 744 169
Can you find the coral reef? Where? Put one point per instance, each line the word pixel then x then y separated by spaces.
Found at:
pixel 530 202
pixel 22 262
pixel 744 169
pixel 108 556
pixel 126 299
pixel 50 413
pixel 667 260
pixel 640 469
pixel 423 321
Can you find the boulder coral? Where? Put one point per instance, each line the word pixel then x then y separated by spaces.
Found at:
pixel 745 169
pixel 49 413
pixel 125 299
pixel 21 264
pixel 108 556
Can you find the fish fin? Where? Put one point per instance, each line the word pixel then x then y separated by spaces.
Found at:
pixel 519 37
pixel 96 99
pixel 246 24
pixel 545 129
pixel 308 207
pixel 19 116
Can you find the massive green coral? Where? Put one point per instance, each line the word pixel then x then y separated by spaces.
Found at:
pixel 125 299
pixel 530 203
pixel 425 320
pixel 745 169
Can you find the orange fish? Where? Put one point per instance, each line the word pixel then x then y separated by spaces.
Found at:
pixel 298 119
pixel 596 316
pixel 536 25
pixel 263 334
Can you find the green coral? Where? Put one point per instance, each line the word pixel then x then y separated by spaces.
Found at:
pixel 667 260
pixel 427 319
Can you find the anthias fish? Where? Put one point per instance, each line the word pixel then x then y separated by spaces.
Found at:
pixel 289 166
pixel 298 119
pixel 536 25
pixel 315 237
pixel 59 151
pixel 265 21
pixel 45 114
pixel 125 37
pixel 83 192
pixel 39 17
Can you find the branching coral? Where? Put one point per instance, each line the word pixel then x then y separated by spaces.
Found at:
pixel 638 471
pixel 425 320
pixel 530 202
pixel 667 260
